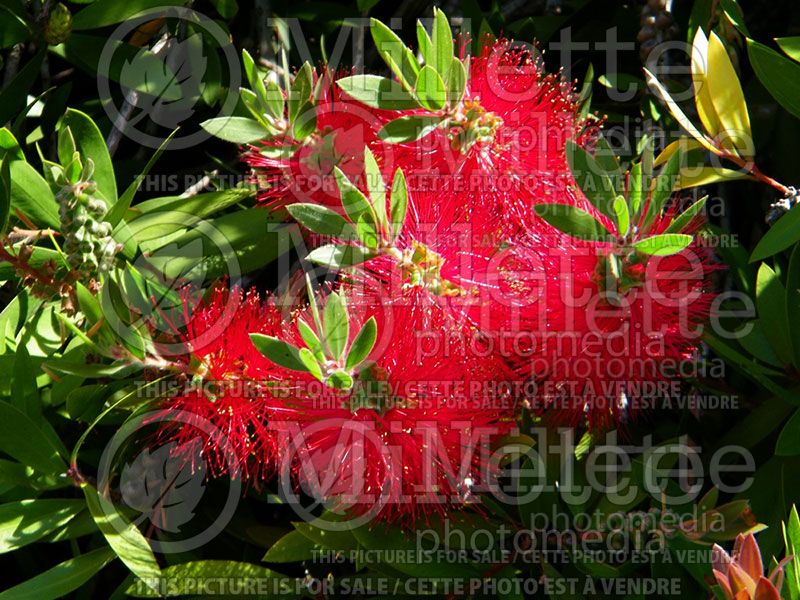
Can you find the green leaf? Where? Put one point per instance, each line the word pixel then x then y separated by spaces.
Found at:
pixel 310 362
pixel 592 179
pixel 784 233
pixel 408 128
pixel 306 122
pixel 255 80
pixel 362 344
pixel 442 43
pixel 376 188
pixel 771 304
pixel 26 521
pixel 623 215
pixel 355 204
pixel 300 92
pixel 310 338
pixel 276 104
pixel 336 324
pixel 338 257
pixel 378 92
pixel 117 212
pixel 425 44
pixel 430 90
pixel 366 231
pixel 694 177
pixel 779 75
pixel 680 222
pixel 5 193
pixel 637 188
pixel 456 82
pixel 22 438
pixel 399 202
pixel 239 130
pixel 293 547
pixel 321 219
pixel 788 443
pixel 793 303
pixel 572 221
pixel 62 579
pixel 15 93
pixel 108 12
pixel 791 46
pixel 663 244
pixel 31 194
pixel 340 380
pixel 92 145
pixel 124 538
pixel 395 53
pixel 278 351
pixel 662 188
pixel 190 573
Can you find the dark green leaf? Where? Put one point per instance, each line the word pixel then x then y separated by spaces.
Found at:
pixel 573 221
pixel 378 92
pixel 31 194
pixel 592 179
pixel 124 538
pixel 108 12
pixel 623 217
pixel 62 579
pixel 26 521
pixel 239 130
pixel 793 303
pixel 321 219
pixel 92 145
pixel 276 104
pixel 771 303
pixel 22 438
pixel 789 440
pixel 278 351
pixel 784 233
pixel 779 75
pixel 293 547
pixel 376 188
pixel 300 93
pixel 362 344
pixel 408 128
pixel 15 92
pixel 663 187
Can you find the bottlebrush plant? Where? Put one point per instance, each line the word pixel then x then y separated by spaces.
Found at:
pixel 438 307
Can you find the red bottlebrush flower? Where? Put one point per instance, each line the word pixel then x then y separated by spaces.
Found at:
pixel 411 437
pixel 603 345
pixel 225 406
pixel 288 172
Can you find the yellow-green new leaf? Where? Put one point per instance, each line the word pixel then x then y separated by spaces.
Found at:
pixel 701 86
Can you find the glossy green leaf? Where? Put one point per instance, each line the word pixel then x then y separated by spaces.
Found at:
pixel 336 324
pixel 23 439
pixel 442 43
pixel 623 216
pixel 27 521
pixel 321 219
pixel 395 53
pixel 378 92
pixel 663 244
pixel 784 233
pixel 124 538
pixel 278 351
pixel 339 257
pixel 780 75
pixel 376 188
pixel 362 344
pixel 239 130
pixel 398 202
pixel 680 222
pixel 62 579
pixel 92 145
pixel 791 46
pixel 592 179
pixel 430 90
pixel 793 304
pixel 31 194
pixel 771 304
pixel 573 221
pixel 408 128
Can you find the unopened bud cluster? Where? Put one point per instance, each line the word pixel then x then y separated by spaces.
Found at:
pixel 88 243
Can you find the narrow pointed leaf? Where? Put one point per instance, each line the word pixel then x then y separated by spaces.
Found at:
pixel 429 88
pixel 376 188
pixel 408 128
pixel 341 256
pixel 395 53
pixel 623 217
pixel 362 344
pixel 378 92
pixel 680 222
pixel 573 221
pixel 663 244
pixel 442 42
pixel 399 202
pixel 321 219
pixel 355 204
pixel 337 325
pixel 278 351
